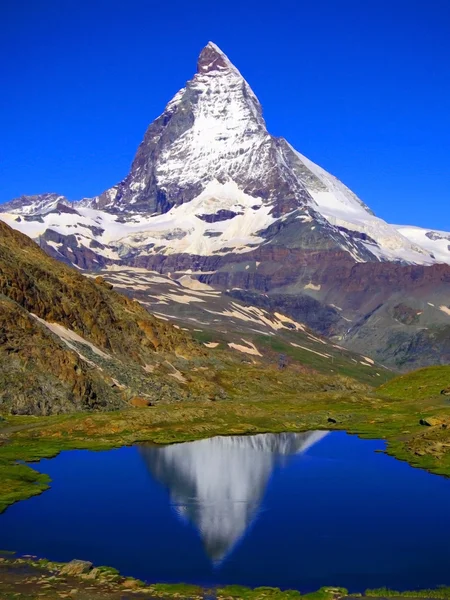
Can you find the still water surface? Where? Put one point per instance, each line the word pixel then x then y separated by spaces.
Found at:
pixel 289 510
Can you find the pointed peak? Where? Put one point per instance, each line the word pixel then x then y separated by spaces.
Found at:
pixel 213 59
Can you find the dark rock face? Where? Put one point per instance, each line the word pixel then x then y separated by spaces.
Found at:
pixel 70 251
pixel 304 309
pixel 220 215
pixel 434 235
pixel 405 314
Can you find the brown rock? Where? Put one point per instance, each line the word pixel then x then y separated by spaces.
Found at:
pixel 101 281
pixel 140 402
pixel 76 567
pixel 433 422
pixel 131 584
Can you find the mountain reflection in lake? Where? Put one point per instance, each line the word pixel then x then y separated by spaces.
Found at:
pixel 291 510
pixel 218 483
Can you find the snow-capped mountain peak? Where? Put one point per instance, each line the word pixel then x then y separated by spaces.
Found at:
pixel 208 179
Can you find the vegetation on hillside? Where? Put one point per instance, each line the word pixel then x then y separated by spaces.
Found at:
pixel 421 384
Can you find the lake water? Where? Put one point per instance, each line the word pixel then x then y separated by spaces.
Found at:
pixel 290 510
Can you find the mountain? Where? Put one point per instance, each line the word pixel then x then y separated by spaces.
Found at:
pixel 212 194
pixel 35 205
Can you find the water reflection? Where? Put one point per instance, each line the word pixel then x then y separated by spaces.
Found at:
pixel 218 483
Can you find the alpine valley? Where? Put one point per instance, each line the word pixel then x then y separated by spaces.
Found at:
pixel 228 288
pixel 214 201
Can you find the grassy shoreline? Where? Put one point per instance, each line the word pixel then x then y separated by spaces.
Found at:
pixel 24 578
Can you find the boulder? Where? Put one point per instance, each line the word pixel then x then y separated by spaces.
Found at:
pixel 139 402
pixel 446 391
pixel 132 584
pixel 433 422
pixel 101 281
pixel 76 567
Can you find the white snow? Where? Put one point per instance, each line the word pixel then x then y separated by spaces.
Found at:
pixel 311 286
pixel 179 230
pixel 249 348
pixel 69 337
pixel 439 246
pixel 311 350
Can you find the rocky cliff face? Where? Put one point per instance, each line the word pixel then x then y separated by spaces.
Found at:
pixel 68 342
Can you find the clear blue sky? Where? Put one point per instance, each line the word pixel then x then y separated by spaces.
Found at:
pixel 361 87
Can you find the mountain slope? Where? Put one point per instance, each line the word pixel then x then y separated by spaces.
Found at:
pixel 68 342
pixel 209 179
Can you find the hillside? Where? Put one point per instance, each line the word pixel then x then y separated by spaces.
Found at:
pixel 430 382
pixel 71 342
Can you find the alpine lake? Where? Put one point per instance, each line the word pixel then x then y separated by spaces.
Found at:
pixel 291 510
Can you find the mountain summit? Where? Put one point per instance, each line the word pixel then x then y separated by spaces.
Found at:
pixel 210 147
pixel 211 137
pixel 213 59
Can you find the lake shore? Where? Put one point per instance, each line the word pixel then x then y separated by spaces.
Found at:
pixel 415 429
pixel 26 578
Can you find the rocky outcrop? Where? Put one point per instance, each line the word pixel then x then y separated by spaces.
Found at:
pixel 40 375
pixel 69 343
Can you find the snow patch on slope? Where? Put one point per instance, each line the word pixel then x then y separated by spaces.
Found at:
pixel 436 242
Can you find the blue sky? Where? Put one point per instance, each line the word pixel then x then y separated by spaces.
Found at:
pixel 362 88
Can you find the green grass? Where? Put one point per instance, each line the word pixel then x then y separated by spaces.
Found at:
pixel 340 362
pixel 439 592
pixel 263 405
pixel 257 399
pixel 271 593
pixel 183 590
pixel 421 384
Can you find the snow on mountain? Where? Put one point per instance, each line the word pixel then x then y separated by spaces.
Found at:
pixel 34 205
pixel 188 228
pixel 208 179
pixel 341 207
pixel 437 243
